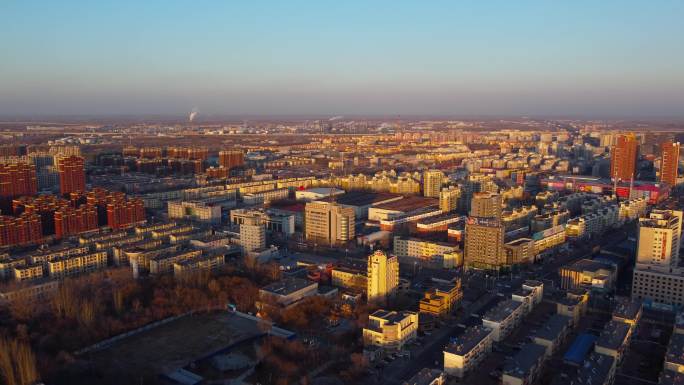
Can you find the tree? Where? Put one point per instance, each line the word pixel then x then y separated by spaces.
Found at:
pixel 17 362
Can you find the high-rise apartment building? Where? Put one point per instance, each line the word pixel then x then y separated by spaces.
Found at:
pixel 432 183
pixel 659 239
pixel 657 275
pixel 449 198
pixel 17 179
pixel 70 220
pixel 486 205
pixel 484 244
pixel 124 213
pixel 71 174
pixel 329 223
pixel 231 158
pixel 26 228
pixel 383 276
pixel 252 233
pixel 669 163
pixel 623 157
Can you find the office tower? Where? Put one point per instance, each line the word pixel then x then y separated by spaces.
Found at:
pixel 71 174
pixel 657 274
pixel 231 158
pixel 448 198
pixel 252 234
pixel 486 205
pixel 623 157
pixel 484 244
pixel 383 276
pixel 329 223
pixel 669 163
pixel 17 179
pixel 432 183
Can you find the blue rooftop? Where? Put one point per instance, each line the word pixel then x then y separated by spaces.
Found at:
pixel 579 349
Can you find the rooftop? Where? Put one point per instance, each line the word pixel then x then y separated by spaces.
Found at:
pixel 553 327
pixel 390 316
pixel 362 198
pixel 502 310
pixel 288 286
pixel 595 369
pixel 588 265
pixel 426 376
pixel 409 203
pixel 668 377
pixel 524 361
pixel 627 309
pixel 675 351
pixel 614 335
pixel 468 340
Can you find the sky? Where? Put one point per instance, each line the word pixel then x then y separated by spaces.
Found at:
pixel 534 58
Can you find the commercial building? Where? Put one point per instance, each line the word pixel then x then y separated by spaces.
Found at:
pixel 432 183
pixel 518 251
pixel 71 174
pixel 526 365
pixel 329 223
pixel 669 163
pixel 265 197
pixel 484 244
pixel 319 193
pixel 383 276
pixel 411 250
pixel 623 157
pixel 275 222
pixel 467 351
pixel 587 273
pixel 350 277
pixel 287 292
pixel 390 330
pixel 486 205
pixel 503 318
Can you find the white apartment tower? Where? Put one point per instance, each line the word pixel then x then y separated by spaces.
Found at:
pixel 252 234
pixel 383 276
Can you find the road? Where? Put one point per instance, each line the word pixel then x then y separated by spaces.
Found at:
pixel 402 369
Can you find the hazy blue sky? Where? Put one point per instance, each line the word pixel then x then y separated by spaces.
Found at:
pixel 342 57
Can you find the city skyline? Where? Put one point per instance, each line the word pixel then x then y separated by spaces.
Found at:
pixel 493 59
